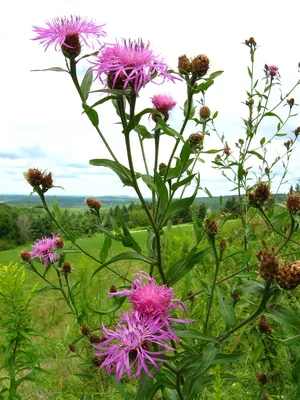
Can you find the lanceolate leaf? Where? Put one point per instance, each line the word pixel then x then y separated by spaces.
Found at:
pixel 134 122
pixel 92 114
pixel 127 255
pixel 162 190
pixel 123 172
pixel 117 304
pixel 105 248
pixel 56 209
pixel 87 83
pixel 55 69
pixel 226 310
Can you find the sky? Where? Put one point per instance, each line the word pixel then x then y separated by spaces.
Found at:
pixel 42 125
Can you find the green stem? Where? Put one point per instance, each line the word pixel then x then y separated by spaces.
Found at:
pixel 72 298
pixel 288 238
pixel 266 296
pixel 217 260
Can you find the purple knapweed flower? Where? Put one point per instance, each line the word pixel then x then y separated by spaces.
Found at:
pixel 150 300
pixel 43 249
pixel 65 32
pixel 131 64
pixel 163 102
pixel 273 71
pixel 127 348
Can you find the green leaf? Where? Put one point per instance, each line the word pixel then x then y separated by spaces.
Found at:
pixel 240 172
pixel 215 74
pixel 55 69
pixel 148 179
pixel 142 131
pixel 92 114
pixel 256 154
pixel 250 287
pixel 56 209
pixel 178 270
pixel 44 289
pixel 271 114
pixel 145 387
pixel 185 151
pixel 87 83
pixel 122 172
pixel 169 131
pixel 162 190
pixel 127 239
pixel 202 87
pixel 135 120
pixel 127 255
pixel 185 110
pixel 192 334
pixel 226 310
pixel 287 315
pixel 184 181
pixel 105 248
pixel 117 304
pixel 120 387
pixel 178 170
pixel 101 101
pixel 213 151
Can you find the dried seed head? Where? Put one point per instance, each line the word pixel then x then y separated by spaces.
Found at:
pixel 293 203
pixel 211 226
pixel 85 330
pixel 196 141
pixel 184 64
pixel 200 65
pixel 34 177
pixel 263 325
pixel 262 378
pixel 25 255
pixel 66 268
pixel 93 203
pixel 204 112
pixel 268 265
pixel 260 195
pixel 288 275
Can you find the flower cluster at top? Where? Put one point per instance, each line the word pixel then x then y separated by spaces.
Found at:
pixel 129 64
pixel 43 249
pixel 141 334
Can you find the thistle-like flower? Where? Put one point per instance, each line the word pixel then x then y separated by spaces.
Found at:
pixel 43 249
pixel 163 103
pixel 65 33
pixel 127 348
pixel 130 64
pixel 272 71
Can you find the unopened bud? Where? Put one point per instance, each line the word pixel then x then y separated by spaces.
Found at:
pixel 204 112
pixel 25 256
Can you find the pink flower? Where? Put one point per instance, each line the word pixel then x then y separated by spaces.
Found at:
pixel 127 348
pixel 273 71
pixel 226 150
pixel 131 63
pixel 163 102
pixel 42 249
pixel 61 32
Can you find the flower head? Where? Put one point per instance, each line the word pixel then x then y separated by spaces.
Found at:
pixel 163 103
pixel 131 64
pixel 42 249
pixel 127 348
pixel 64 33
pixel 272 71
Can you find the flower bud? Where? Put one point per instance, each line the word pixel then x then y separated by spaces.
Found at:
pixel 85 330
pixel 293 203
pixel 211 226
pixel 66 268
pixel 34 177
pixel 264 325
pixel 72 348
pixel 204 112
pixel 291 102
pixel 268 266
pixel 196 141
pixel 93 203
pixel 184 64
pixel 25 255
pixel 262 378
pixel 200 65
pixel 162 165
pixel 288 275
pixel 71 47
pixel 223 244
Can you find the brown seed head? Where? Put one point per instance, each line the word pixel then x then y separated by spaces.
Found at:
pixel 288 275
pixel 200 65
pixel 47 182
pixel 268 265
pixel 263 325
pixel 293 203
pixel 85 330
pixel 71 47
pixel 34 177
pixel 93 203
pixel 211 226
pixel 262 378
pixel 204 112
pixel 196 141
pixel 260 195
pixel 184 64
pixel 66 268
pixel 25 256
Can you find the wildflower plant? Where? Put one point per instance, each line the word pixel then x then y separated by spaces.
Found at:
pixel 167 352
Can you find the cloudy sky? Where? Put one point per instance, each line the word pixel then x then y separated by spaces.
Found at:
pixel 41 122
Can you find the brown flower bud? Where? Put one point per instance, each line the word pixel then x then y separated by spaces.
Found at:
pixel 297 131
pixel 288 275
pixel 223 244
pixel 34 177
pixel 268 266
pixel 66 268
pixel 72 348
pixel 200 65
pixel 211 226
pixel 262 378
pixel 267 170
pixel 263 325
pixel 184 64
pixel 71 47
pixel 287 144
pixel 85 330
pixel 265 397
pixel 47 182
pixel 25 256
pixel 93 203
pixel 291 102
pixel 293 203
pixel 250 102
pixel 260 195
pixel 97 360
pixel 191 295
pixel 204 112
pixel 59 243
pixel 235 296
pixel 196 141
pixel 96 339
pixel 162 165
